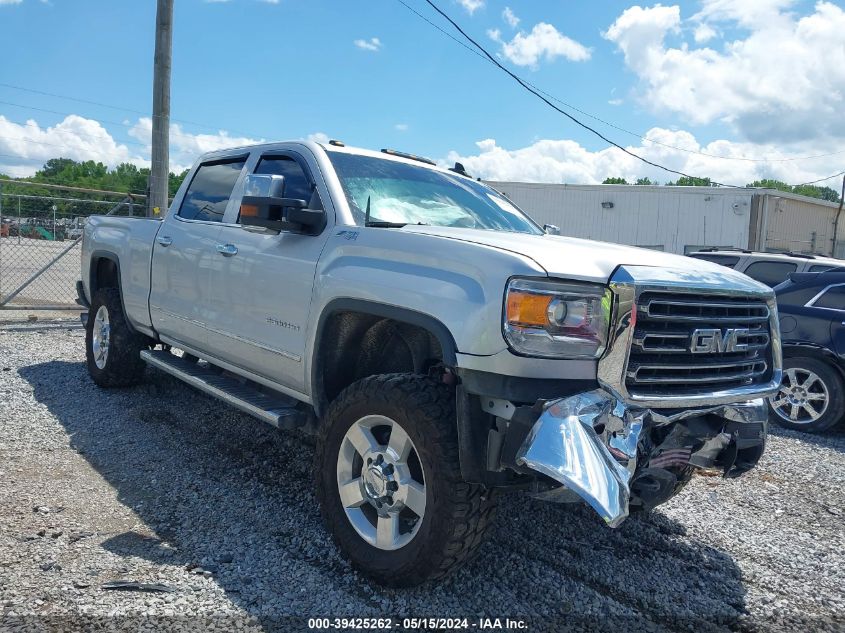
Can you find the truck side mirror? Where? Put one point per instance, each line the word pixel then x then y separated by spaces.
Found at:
pixel 551 229
pixel 264 209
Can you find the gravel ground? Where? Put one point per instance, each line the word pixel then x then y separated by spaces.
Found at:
pixel 160 484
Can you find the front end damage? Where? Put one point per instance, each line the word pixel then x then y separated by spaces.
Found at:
pixel 615 456
pixel 690 357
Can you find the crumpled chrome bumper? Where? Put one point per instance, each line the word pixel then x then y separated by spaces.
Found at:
pixel 611 454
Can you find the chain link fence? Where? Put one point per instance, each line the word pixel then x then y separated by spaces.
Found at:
pixel 41 239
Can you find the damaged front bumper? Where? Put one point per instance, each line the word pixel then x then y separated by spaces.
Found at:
pixel 614 455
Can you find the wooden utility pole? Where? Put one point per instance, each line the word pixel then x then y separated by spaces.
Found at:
pixel 160 170
pixel 836 221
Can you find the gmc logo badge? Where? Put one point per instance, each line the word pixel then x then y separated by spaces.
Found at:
pixel 718 342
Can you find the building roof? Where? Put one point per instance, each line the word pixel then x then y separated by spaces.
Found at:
pixel 714 191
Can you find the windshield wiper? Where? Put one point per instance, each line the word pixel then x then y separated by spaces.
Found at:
pixel 385 225
pixel 382 224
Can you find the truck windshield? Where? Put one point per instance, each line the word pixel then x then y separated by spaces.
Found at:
pixel 398 193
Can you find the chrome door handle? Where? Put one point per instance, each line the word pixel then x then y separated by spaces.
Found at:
pixel 227 250
pixel 165 240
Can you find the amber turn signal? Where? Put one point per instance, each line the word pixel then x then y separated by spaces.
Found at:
pixel 249 210
pixel 528 309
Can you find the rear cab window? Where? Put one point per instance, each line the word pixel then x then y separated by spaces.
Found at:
pixel 832 299
pixel 210 189
pixel 725 260
pixel 770 273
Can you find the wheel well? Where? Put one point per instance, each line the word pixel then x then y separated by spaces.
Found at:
pixel 353 345
pixel 104 274
pixel 820 354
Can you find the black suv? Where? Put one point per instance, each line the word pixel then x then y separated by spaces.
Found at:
pixel 812 324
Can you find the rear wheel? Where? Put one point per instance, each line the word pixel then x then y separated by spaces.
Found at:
pixel 810 397
pixel 113 349
pixel 389 481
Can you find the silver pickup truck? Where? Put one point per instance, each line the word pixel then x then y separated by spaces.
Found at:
pixel 442 346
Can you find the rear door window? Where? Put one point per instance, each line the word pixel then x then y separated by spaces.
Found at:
pixel 770 273
pixel 833 299
pixel 210 190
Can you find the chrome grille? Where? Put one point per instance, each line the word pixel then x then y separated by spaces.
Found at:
pixel 693 344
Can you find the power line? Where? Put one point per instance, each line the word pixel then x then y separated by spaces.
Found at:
pixel 557 109
pixel 534 88
pixel 59 112
pixel 100 121
pixel 105 136
pixel 804 184
pixel 118 108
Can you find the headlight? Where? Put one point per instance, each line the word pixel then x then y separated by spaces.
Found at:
pixel 557 320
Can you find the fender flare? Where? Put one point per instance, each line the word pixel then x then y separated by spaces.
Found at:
pixel 92 287
pixel 383 310
pixel 95 257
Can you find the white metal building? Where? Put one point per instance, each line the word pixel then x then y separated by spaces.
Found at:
pixel 682 219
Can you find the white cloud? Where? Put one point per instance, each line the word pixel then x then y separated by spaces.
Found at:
pixel 318 137
pixel 559 161
pixel 704 33
pixel 543 42
pixel 24 148
pixel 401 127
pixel 510 17
pixel 186 147
pixel 75 137
pixel 748 13
pixel 471 5
pixel 2 2
pixel 783 80
pixel 372 44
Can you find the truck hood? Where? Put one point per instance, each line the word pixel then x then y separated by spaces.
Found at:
pixel 574 258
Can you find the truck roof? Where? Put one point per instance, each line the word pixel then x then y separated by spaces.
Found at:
pixel 790 256
pixel 336 146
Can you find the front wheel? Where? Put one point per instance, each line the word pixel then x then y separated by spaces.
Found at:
pixel 810 397
pixel 389 481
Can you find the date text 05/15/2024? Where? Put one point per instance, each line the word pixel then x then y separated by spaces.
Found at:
pixel 416 624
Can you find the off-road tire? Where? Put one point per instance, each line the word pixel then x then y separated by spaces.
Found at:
pixel 836 391
pixel 123 366
pixel 457 514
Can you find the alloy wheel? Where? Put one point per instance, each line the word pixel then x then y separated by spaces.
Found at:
pixel 803 397
pixel 381 482
pixel 100 337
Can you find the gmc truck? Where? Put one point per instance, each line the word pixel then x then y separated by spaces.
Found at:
pixel 442 347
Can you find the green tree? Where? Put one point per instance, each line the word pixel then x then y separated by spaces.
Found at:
pixel 812 191
pixel 645 181
pixel 768 183
pixel 615 181
pixel 125 178
pixel 691 181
